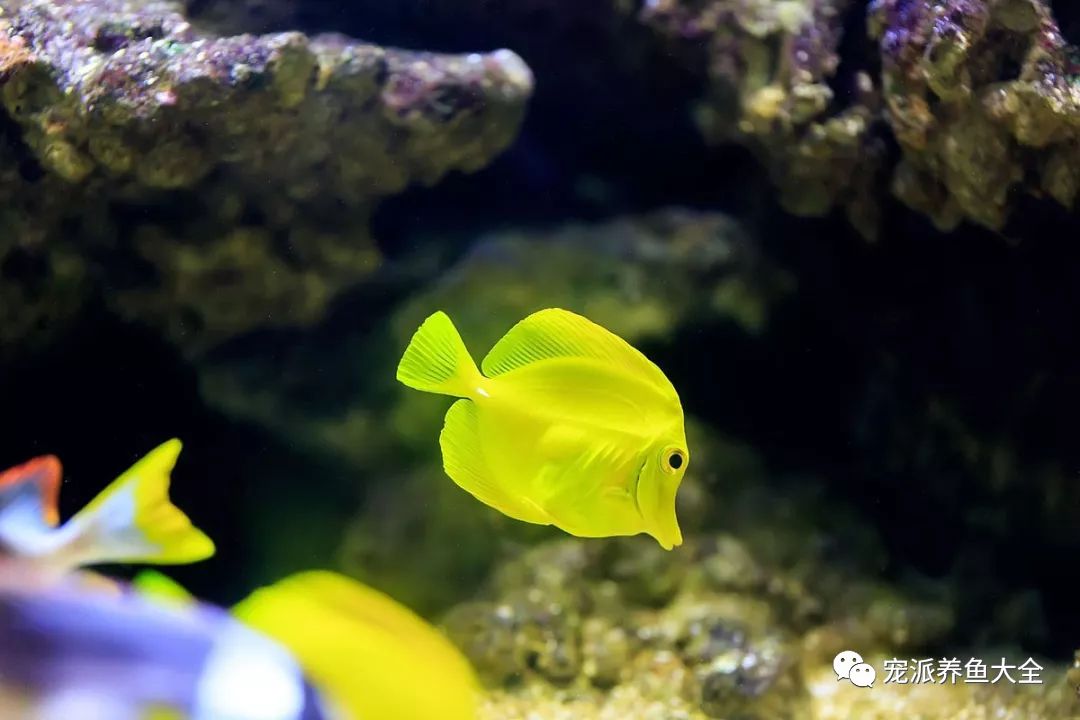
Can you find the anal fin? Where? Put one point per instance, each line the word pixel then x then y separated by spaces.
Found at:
pixel 464 462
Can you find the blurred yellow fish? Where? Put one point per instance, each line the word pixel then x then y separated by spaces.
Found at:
pixel 568 425
pixel 371 658
pixel 131 521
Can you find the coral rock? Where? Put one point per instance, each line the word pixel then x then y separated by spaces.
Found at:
pixel 976 92
pixel 123 105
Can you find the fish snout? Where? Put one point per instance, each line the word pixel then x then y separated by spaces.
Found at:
pixel 655 496
pixel 666 532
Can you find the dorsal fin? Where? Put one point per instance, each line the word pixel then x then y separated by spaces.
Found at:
pixel 557 333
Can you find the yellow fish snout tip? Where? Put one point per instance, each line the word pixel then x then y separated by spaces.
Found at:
pixel 669 542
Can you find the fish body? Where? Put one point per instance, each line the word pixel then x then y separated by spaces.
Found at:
pixel 132 520
pixel 564 424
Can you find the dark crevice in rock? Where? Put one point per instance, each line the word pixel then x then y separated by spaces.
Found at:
pixel 30 170
pixel 857 56
pixel 958 366
pixel 22 158
pixel 20 265
pixel 1067 14
pixel 1009 68
pixel 111 36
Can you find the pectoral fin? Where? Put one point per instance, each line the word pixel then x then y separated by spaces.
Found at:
pixel 584 495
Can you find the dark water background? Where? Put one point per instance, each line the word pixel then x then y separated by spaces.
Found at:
pixel 986 322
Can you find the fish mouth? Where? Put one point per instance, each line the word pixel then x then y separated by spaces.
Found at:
pixel 668 534
pixel 660 523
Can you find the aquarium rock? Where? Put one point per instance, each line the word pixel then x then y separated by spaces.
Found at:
pixel 980 96
pixel 708 651
pixel 240 170
pixel 773 84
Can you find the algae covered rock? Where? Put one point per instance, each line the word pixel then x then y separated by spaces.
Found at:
pixel 773 84
pixel 217 185
pixel 114 89
pixel 706 653
pixel 977 92
pixel 979 95
pixel 593 604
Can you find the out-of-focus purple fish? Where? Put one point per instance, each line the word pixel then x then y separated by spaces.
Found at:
pixel 74 649
pixel 75 645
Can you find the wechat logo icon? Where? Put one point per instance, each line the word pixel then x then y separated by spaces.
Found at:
pixel 848 665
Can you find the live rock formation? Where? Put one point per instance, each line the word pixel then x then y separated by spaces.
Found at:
pixel 216 185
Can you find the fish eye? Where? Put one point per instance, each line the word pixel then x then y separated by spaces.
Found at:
pixel 673 459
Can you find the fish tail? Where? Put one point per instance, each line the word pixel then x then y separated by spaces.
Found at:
pixel 437 361
pixel 133 520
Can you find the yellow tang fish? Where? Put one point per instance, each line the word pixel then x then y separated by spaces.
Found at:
pixel 372 658
pixel 568 425
pixel 131 521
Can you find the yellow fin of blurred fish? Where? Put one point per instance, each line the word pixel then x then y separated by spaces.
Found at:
pixel 372 657
pixel 567 425
pixel 161 588
pixel 131 521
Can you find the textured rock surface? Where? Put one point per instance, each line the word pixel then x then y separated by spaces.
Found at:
pixel 558 635
pixel 980 95
pixel 773 84
pixel 220 184
pixel 982 98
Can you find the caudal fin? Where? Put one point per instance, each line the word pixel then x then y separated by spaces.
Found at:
pixel 133 520
pixel 437 361
pixel 363 649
